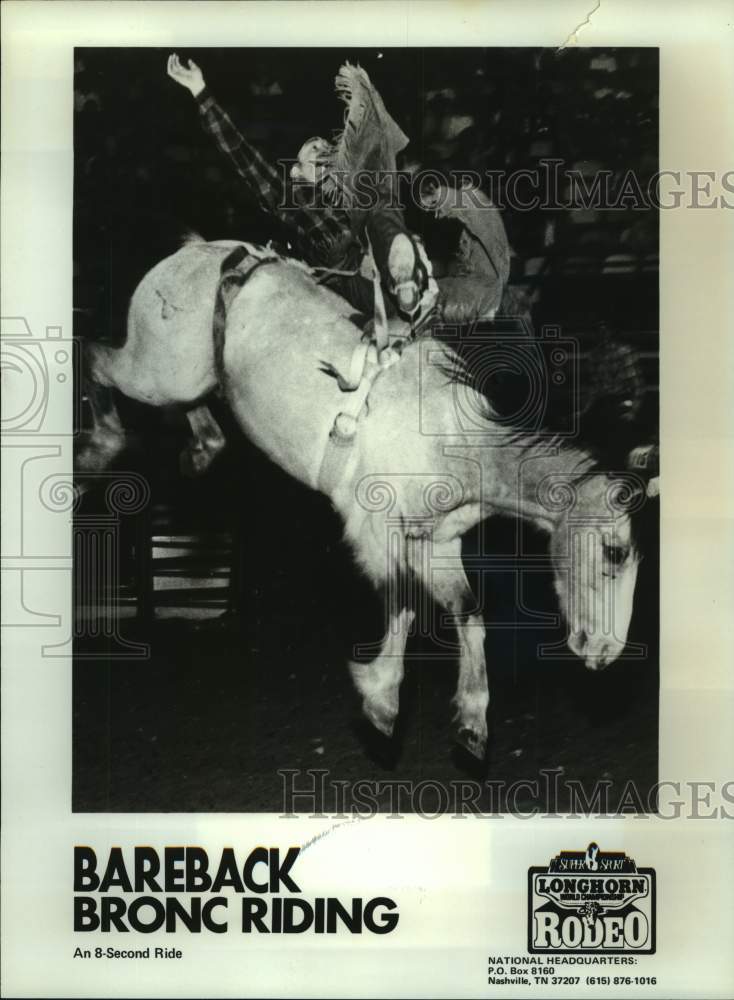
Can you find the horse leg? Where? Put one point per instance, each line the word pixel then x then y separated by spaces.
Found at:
pixel 207 442
pixel 100 446
pixel 450 588
pixel 378 681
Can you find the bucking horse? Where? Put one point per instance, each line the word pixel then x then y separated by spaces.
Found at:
pixel 409 451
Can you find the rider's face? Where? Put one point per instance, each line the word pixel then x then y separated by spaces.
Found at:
pixel 308 168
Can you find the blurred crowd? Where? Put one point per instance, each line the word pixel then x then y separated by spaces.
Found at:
pixel 145 172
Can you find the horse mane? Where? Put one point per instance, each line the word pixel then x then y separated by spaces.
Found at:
pixel 599 430
pixel 595 411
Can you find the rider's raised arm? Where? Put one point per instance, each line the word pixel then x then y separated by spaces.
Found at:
pixel 261 177
pixel 314 232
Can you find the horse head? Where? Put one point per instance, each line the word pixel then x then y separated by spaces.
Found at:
pixel 596 558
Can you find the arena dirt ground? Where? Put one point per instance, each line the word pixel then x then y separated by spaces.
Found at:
pixel 207 722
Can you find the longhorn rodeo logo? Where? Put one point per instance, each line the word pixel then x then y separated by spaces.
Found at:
pixel 591 901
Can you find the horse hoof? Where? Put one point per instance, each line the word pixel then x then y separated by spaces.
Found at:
pixel 193 462
pixel 88 460
pixel 472 741
pixel 95 454
pixel 381 720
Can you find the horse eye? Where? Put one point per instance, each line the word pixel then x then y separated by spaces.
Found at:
pixel 615 554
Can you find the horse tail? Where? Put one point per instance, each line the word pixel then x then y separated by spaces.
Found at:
pixel 189 237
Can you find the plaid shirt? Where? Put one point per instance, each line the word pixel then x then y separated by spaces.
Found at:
pixel 322 236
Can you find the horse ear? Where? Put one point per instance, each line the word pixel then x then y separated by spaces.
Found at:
pixel 645 459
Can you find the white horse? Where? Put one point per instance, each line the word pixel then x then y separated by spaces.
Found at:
pixel 426 462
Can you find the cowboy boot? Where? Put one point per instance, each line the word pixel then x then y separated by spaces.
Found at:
pixel 401 261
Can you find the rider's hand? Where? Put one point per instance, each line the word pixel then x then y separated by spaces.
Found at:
pixel 460 203
pixel 189 76
pixel 439 199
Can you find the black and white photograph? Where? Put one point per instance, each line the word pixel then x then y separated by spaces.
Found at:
pixel 369 350
pixel 366 498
